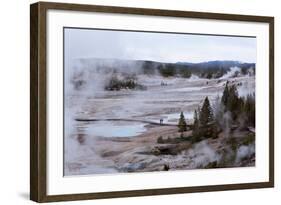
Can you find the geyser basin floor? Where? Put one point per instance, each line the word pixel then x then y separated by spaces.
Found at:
pixel 126 147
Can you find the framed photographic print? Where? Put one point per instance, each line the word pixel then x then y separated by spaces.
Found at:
pixel 134 102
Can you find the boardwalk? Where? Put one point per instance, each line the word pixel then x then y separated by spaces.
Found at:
pixel 128 120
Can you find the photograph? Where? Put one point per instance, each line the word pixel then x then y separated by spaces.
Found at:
pixel 149 101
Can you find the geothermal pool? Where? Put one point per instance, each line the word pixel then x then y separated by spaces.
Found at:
pixel 113 129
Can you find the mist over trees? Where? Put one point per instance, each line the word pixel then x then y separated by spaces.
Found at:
pixel 241 109
pixel 125 82
pixel 123 74
pixel 223 127
pixel 229 111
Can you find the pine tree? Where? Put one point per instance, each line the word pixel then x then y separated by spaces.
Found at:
pixel 249 109
pixel 225 95
pixel 206 113
pixel 182 123
pixel 218 110
pixel 231 101
pixel 234 103
pixel 195 131
pixel 196 121
pixel 198 114
pixel 204 125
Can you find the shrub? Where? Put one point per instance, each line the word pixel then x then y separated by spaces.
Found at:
pixel 160 140
pixel 211 165
pixel 232 142
pixel 249 139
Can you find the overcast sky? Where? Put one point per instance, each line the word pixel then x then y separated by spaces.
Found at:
pixel 88 43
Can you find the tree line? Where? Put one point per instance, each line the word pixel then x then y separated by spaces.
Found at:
pixel 212 69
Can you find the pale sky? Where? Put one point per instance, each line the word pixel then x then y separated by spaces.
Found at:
pixel 163 47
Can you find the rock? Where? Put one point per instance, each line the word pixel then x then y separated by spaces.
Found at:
pixel 155 151
pixel 165 150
